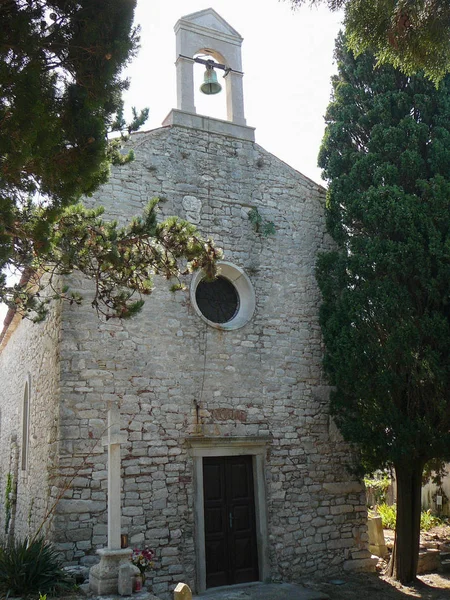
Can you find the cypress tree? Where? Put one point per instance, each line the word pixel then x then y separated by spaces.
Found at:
pixel 385 315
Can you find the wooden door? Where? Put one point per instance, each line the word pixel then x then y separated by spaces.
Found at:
pixel 230 531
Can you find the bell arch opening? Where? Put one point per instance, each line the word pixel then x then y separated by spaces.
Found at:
pixel 208 102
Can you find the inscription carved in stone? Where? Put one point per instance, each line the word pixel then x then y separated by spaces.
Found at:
pixel 193 208
pixel 229 414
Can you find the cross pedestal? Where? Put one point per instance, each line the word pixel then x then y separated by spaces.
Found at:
pixel 104 577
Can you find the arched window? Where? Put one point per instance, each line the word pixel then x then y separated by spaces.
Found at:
pixel 25 425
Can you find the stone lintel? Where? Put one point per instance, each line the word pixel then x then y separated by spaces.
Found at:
pixel 254 444
pixel 194 121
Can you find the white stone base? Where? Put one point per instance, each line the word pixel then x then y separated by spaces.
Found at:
pixel 144 595
pixel 194 121
pixel 104 577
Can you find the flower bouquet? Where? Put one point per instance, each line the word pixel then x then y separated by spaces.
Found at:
pixel 143 559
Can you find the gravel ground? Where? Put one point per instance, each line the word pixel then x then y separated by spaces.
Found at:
pixel 370 587
pixel 376 586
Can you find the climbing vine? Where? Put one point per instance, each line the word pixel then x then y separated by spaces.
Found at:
pixel 8 501
pixel 30 512
pixel 261 225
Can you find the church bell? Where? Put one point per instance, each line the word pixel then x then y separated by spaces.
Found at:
pixel 210 84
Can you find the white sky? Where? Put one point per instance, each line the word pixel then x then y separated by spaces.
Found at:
pixel 287 61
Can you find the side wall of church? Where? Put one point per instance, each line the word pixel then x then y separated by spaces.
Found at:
pixel 175 377
pixel 29 365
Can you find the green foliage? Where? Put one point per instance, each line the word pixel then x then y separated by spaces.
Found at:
pixel 60 98
pixel 260 225
pixel 31 567
pixel 428 521
pixel 30 513
pixel 385 315
pixel 122 261
pixel 386 287
pixel 8 501
pixel 411 35
pixel 434 471
pixel 60 88
pixel 388 514
pixel 379 487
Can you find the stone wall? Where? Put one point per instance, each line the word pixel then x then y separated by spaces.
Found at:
pixel 29 354
pixel 175 377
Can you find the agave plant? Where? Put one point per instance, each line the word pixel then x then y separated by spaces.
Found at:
pixel 31 568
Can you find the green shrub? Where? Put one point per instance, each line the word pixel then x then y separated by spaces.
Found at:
pixel 379 487
pixel 388 514
pixel 428 521
pixel 31 568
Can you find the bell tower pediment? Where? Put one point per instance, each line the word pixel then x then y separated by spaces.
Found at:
pixel 210 20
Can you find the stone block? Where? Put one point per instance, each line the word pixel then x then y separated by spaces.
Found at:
pixel 78 535
pixel 429 561
pixel 80 506
pixel 182 592
pixel 365 565
pixel 125 581
pixel 376 537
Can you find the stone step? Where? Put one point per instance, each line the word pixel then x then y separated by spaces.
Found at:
pixel 445 566
pixel 429 561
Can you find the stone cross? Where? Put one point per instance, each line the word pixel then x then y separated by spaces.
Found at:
pixel 112 440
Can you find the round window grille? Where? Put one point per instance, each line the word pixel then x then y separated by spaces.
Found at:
pixel 228 302
pixel 217 300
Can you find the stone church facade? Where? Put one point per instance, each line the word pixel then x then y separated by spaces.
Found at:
pixel 232 469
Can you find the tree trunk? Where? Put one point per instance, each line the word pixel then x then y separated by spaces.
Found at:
pixel 405 556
